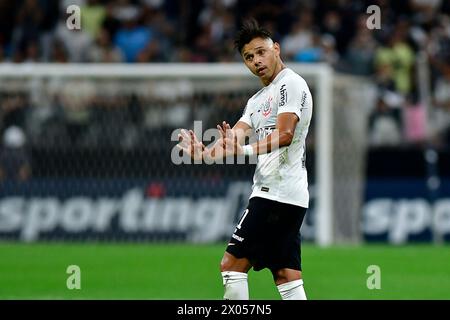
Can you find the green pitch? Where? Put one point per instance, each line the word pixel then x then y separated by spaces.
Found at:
pixel 176 271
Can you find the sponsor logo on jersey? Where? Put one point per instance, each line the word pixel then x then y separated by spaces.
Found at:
pixel 263 132
pixel 265 189
pixel 302 103
pixel 283 96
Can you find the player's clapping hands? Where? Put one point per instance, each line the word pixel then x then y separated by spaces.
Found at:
pixel 229 141
pixel 226 145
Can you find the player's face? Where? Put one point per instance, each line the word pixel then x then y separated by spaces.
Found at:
pixel 262 57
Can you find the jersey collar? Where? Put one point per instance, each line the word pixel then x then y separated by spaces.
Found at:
pixel 279 75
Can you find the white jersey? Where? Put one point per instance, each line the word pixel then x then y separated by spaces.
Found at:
pixel 281 175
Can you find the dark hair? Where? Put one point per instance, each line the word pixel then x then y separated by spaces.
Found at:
pixel 250 30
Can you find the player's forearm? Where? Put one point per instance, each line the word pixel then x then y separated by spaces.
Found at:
pixel 273 142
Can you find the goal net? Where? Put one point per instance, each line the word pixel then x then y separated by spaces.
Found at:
pixel 87 152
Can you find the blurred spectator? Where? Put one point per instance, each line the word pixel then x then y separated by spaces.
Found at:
pixel 425 10
pixel 124 10
pixel 415 123
pixel 27 27
pixel 442 89
pixel 328 48
pixel 321 50
pixel 32 52
pixel 93 14
pixel 151 53
pixel 385 126
pixel 159 49
pixel 15 164
pixel 182 54
pixel 437 46
pixel 110 22
pixel 103 50
pixel 395 60
pixel 76 100
pixel 332 25
pixel 220 21
pixel 76 42
pixel 165 32
pixel 51 16
pixel 441 111
pixel 13 109
pixel 361 50
pixel 132 38
pixel 2 54
pixel 300 37
pixel 58 52
pixel 202 50
pixel 8 23
pixel 272 27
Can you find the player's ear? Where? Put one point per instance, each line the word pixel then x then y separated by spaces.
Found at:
pixel 276 47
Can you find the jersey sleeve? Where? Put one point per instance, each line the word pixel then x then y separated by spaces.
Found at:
pixel 246 116
pixel 293 96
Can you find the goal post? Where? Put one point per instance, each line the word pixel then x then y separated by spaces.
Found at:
pixel 146 79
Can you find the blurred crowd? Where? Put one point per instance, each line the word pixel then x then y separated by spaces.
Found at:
pixel 334 31
pixel 413 40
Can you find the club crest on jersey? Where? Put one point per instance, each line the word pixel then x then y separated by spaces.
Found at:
pixel 266 108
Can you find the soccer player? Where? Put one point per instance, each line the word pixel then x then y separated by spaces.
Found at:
pixel 268 233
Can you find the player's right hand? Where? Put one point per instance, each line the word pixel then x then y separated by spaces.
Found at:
pixel 229 141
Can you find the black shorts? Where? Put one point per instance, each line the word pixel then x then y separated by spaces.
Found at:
pixel 268 235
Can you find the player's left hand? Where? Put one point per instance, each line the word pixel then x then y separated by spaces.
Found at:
pixel 229 141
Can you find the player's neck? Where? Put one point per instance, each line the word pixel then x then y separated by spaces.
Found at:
pixel 278 69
